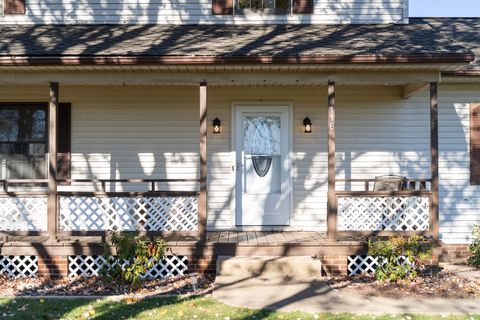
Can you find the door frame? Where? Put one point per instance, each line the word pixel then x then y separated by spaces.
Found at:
pixel 260 106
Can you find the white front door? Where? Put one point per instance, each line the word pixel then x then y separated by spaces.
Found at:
pixel 263 166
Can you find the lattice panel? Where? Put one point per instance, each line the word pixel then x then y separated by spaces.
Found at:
pixel 88 266
pixel 19 266
pixel 383 213
pixel 359 264
pixel 128 213
pixel 23 214
pixel 362 264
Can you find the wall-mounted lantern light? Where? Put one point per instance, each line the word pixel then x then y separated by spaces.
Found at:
pixel 216 126
pixel 307 124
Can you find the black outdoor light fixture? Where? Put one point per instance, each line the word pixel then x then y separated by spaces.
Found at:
pixel 307 124
pixel 216 125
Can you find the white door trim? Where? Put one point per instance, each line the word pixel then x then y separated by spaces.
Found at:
pixel 261 106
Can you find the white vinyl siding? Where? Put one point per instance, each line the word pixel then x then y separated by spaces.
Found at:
pixel 459 201
pixel 199 11
pixel 137 132
pixel 141 140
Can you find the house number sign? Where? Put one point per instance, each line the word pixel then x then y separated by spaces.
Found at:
pixel 331 118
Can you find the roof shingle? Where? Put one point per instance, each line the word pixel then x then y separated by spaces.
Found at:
pixel 463 31
pixel 421 38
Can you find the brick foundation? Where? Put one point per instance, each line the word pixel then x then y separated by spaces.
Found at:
pixel 52 266
pixel 430 262
pixel 334 265
pixel 454 253
pixel 202 265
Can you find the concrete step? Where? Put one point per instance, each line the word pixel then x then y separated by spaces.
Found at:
pixel 294 267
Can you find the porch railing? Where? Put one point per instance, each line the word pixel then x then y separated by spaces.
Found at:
pixel 24 207
pixel 367 212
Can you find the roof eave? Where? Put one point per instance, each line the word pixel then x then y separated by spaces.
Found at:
pixel 462 73
pixel 206 60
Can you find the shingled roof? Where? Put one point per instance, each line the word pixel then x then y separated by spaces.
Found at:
pixel 463 31
pixel 416 42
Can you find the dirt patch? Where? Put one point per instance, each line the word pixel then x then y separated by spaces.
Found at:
pixel 437 284
pixel 95 286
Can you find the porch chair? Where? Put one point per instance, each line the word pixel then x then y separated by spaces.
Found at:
pixel 390 183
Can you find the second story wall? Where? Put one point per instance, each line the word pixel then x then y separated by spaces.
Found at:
pixel 199 11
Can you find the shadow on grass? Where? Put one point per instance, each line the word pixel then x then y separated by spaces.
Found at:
pixel 195 307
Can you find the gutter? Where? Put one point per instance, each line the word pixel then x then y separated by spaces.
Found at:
pixel 462 73
pixel 211 60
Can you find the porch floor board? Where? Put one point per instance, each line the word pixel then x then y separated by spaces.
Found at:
pixel 270 238
pixel 250 238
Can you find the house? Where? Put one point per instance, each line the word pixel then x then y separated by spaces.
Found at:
pixel 234 127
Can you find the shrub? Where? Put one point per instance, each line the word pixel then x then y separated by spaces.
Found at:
pixel 474 248
pixel 399 256
pixel 134 256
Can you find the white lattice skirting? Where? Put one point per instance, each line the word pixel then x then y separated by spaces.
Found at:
pixel 383 213
pixel 128 213
pixel 19 266
pixel 359 264
pixel 88 266
pixel 23 214
pixel 362 264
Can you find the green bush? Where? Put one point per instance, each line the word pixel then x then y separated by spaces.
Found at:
pixel 134 256
pixel 474 248
pixel 398 257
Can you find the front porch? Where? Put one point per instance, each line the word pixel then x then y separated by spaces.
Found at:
pixel 80 255
pixel 64 217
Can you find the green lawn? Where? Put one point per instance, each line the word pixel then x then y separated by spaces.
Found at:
pixel 160 308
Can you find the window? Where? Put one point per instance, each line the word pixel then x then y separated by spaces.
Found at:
pixel 13 6
pixel 23 141
pixel 267 6
pixel 226 7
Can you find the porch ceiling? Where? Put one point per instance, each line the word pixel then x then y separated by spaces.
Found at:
pixel 271 77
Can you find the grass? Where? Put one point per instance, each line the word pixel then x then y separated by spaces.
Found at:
pixel 164 308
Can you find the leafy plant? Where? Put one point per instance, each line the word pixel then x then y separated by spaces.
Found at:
pixel 398 257
pixel 134 256
pixel 474 248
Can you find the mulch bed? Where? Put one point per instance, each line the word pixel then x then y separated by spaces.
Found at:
pixel 95 286
pixel 430 284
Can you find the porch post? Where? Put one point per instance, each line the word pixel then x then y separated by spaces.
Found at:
pixel 331 200
pixel 434 159
pixel 202 198
pixel 52 160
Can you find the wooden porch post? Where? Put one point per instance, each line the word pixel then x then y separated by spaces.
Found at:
pixel 202 199
pixel 52 160
pixel 331 200
pixel 434 158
